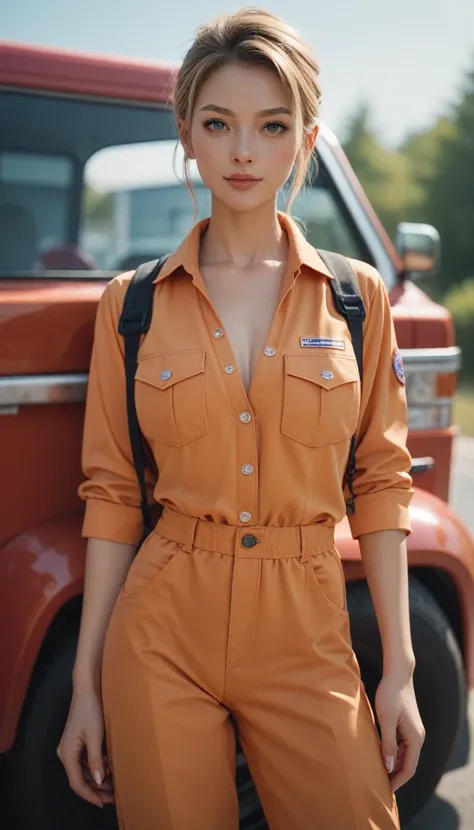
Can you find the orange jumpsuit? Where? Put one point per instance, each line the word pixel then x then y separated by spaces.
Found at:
pixel 235 603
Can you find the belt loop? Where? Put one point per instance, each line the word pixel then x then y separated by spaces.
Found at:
pixel 189 533
pixel 305 554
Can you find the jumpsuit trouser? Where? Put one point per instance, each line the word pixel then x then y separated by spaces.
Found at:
pixel 213 621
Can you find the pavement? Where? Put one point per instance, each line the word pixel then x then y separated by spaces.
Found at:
pixel 452 807
pixel 462 482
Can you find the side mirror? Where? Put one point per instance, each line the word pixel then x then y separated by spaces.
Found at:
pixel 420 249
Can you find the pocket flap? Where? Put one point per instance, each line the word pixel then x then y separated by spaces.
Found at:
pixel 165 369
pixel 327 371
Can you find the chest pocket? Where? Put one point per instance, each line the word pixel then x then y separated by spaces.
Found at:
pixel 321 398
pixel 170 397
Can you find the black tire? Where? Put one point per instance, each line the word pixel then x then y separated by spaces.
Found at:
pixel 439 682
pixel 37 795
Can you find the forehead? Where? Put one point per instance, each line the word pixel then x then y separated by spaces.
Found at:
pixel 245 86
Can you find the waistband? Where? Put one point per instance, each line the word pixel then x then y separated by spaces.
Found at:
pixel 253 542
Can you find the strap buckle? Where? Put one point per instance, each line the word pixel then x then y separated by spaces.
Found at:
pixel 354 306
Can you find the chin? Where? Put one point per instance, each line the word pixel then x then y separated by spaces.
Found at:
pixel 244 201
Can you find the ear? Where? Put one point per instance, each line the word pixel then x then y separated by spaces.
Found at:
pixel 185 139
pixel 311 137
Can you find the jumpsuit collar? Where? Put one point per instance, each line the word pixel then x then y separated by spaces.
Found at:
pixel 300 252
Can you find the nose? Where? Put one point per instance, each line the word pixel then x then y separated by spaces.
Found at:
pixel 242 151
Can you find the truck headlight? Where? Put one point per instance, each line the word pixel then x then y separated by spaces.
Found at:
pixel 431 380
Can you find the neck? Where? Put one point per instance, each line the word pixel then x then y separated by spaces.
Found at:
pixel 243 239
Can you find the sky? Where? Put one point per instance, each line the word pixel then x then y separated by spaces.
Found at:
pixel 406 58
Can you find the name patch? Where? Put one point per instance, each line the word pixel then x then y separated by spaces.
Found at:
pixel 321 343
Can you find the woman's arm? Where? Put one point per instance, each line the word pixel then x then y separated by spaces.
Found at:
pixel 381 521
pixel 81 749
pixel 385 561
pixel 113 525
pixel 113 522
pixel 107 564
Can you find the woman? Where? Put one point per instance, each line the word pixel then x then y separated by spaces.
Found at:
pixel 235 603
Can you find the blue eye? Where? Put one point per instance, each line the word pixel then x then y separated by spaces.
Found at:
pixel 281 128
pixel 215 121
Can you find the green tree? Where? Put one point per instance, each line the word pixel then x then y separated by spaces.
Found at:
pixel 385 174
pixel 423 150
pixel 449 189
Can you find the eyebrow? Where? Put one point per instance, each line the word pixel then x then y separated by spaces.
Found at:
pixel 263 113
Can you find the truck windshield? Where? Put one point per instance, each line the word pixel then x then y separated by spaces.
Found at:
pixel 89 186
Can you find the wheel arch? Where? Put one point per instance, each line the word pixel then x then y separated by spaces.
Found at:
pixel 41 578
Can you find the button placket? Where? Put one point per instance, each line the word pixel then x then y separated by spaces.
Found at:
pixel 247 481
pixel 247 489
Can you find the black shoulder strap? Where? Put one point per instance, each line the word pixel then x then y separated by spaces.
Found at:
pixel 134 321
pixel 347 298
pixel 349 303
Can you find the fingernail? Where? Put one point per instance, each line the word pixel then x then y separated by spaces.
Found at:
pixel 97 778
pixel 390 763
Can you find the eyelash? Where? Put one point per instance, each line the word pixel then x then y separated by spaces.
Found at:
pixel 283 127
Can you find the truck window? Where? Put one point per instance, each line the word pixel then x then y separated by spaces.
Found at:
pixel 88 187
pixel 33 207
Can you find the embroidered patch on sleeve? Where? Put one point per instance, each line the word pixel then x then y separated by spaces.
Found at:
pixel 397 363
pixel 321 343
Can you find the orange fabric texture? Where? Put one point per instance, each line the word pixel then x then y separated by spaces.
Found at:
pixel 274 457
pixel 212 621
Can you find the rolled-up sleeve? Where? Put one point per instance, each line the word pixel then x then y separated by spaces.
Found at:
pixel 382 482
pixel 110 491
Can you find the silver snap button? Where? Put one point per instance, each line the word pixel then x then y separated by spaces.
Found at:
pixel 269 352
pixel 245 517
pixel 166 374
pixel 245 417
pixel 229 370
pixel 218 333
pixel 247 469
pixel 326 374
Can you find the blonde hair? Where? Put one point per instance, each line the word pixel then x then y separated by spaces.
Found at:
pixel 256 37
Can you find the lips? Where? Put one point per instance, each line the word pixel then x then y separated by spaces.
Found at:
pixel 242 178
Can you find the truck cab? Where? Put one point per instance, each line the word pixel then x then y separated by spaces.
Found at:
pixel 87 190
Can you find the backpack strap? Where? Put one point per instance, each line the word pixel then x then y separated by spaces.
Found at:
pixel 134 321
pixel 349 303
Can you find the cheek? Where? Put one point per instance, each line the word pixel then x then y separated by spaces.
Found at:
pixel 205 149
pixel 210 161
pixel 281 156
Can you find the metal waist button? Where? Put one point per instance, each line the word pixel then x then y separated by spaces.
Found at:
pixel 249 540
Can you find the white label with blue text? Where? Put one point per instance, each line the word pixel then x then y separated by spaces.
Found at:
pixel 321 343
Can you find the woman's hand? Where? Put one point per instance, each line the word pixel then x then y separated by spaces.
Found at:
pixel 81 750
pixel 401 727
